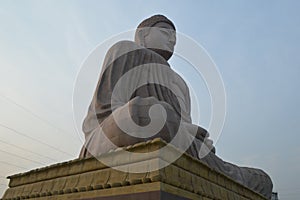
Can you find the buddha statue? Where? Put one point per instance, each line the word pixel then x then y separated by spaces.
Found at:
pixel 139 97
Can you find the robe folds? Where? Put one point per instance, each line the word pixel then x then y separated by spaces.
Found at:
pixel 122 112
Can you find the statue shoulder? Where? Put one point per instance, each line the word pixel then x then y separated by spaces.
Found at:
pixel 132 49
pixel 125 45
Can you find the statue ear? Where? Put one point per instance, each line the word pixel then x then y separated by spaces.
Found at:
pixel 140 37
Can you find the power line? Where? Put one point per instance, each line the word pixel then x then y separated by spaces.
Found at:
pixel 34 139
pixel 16 146
pixel 32 113
pixel 28 159
pixel 10 164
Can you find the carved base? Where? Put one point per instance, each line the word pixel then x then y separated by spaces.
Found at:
pixel 186 178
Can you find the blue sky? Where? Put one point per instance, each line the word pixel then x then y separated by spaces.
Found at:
pixel 253 43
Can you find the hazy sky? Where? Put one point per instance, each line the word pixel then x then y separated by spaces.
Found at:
pixel 255 45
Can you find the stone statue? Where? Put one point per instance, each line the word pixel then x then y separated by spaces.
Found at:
pixel 135 77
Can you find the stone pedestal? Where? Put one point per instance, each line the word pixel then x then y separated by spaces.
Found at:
pixel 89 179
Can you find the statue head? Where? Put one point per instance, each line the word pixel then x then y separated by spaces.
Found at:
pixel 157 33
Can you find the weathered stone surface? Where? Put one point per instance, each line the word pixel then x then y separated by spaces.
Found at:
pixel 187 178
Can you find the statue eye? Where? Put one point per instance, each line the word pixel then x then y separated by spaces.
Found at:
pixel 166 32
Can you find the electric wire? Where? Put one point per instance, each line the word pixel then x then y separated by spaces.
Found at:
pixel 18 156
pixel 27 150
pixel 11 164
pixel 34 139
pixel 32 113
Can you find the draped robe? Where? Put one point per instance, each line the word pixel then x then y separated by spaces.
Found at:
pixel 102 133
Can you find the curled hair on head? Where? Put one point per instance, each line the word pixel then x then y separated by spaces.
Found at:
pixel 151 21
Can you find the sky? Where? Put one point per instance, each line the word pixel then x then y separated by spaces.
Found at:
pixel 254 44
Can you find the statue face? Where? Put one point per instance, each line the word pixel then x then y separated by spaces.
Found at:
pixel 161 38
